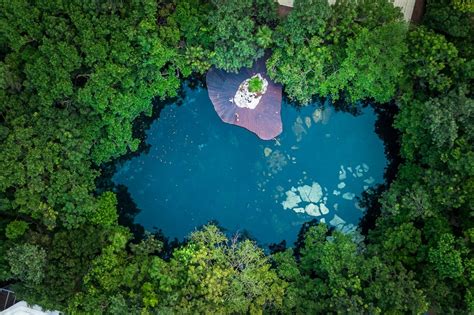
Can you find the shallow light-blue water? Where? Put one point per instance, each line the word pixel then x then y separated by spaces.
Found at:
pixel 200 169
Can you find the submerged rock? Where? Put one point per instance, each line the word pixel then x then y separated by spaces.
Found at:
pixel 304 192
pixel 298 129
pixel 324 209
pixel 312 210
pixel 292 200
pixel 317 115
pixel 356 204
pixel 267 151
pixel 369 180
pixel 358 170
pixel 349 228
pixel 325 115
pixel 316 192
pixel 307 122
pixel 342 173
pixel 348 195
pixel 337 220
pixel 341 185
pixel 276 161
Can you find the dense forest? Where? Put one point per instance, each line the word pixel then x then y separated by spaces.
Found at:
pixel 75 77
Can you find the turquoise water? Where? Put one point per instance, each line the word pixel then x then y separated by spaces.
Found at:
pixel 200 169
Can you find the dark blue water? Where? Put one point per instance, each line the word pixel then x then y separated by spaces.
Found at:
pixel 201 169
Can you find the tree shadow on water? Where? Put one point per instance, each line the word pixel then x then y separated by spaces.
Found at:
pixel 390 137
pixel 127 211
pixel 370 200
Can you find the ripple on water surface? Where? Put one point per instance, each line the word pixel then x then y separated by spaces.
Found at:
pixel 200 169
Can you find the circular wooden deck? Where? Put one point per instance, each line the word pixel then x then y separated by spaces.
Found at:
pixel 265 119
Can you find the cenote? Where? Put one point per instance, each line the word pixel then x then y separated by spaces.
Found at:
pixel 200 169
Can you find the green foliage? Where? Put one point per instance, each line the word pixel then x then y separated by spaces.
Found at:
pixel 308 18
pixel 5 271
pixel 373 65
pixel 73 77
pixel 191 17
pixel 264 13
pixel 77 76
pixel 301 69
pixel 463 5
pixel 234 25
pixel 429 206
pixel 255 85
pixel 264 36
pixel 235 46
pixel 211 275
pixel 446 17
pixel 333 275
pixel 106 212
pixel 432 61
pixel 347 50
pixel 349 17
pixel 197 59
pixel 208 275
pixel 446 258
pixel 15 229
pixel 27 263
pixel 300 59
pixel 188 28
pixel 438 130
pixel 69 257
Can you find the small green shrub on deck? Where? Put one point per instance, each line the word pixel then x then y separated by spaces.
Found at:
pixel 255 85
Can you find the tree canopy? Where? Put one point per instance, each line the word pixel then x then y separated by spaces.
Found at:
pixel 75 76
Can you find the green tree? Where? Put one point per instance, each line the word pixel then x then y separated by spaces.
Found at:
pixel 27 263
pixel 301 68
pixel 209 274
pixel 188 27
pixel 432 62
pixel 234 27
pixel 77 76
pixel 308 18
pixel 352 49
pixel 333 275
pixel 15 229
pixel 446 259
pixel 373 65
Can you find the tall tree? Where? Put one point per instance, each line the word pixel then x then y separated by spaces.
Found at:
pixel 234 27
pixel 353 49
pixel 333 275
